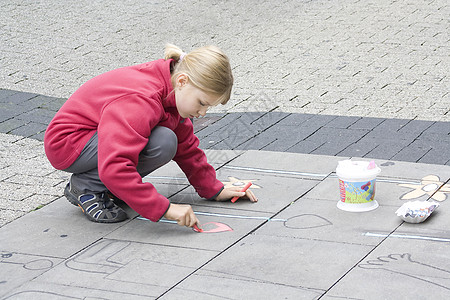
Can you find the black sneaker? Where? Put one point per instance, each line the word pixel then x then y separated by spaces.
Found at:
pixel 98 207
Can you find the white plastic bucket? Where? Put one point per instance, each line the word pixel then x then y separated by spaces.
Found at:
pixel 357 185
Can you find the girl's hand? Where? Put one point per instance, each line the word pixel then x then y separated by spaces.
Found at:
pixel 183 214
pixel 230 192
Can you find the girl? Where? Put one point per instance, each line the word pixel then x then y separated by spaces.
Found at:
pixel 120 126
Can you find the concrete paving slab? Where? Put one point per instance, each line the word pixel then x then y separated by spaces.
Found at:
pixel 407 269
pixel 38 290
pixel 18 97
pixel 220 285
pixel 300 263
pixel 257 143
pixel 344 122
pixel 437 151
pixel 273 191
pixel 111 269
pixel 301 165
pixel 10 124
pixel 162 233
pixel 57 230
pixel 168 183
pixel 310 252
pixel 314 219
pixel 387 147
pixel 305 147
pixel 295 120
pixel 360 148
pixel 18 268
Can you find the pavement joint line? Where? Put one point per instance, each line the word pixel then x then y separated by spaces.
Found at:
pixel 363 258
pixel 255 136
pixel 250 279
pixel 314 148
pixel 210 260
pixel 438 189
pixel 422 156
pixel 229 161
pixel 356 141
pixel 233 244
pixel 266 113
pixel 270 143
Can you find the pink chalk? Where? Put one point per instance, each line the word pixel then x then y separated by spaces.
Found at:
pixel 196 228
pixel 243 190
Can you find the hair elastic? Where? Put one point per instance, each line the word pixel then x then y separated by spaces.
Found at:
pixel 182 55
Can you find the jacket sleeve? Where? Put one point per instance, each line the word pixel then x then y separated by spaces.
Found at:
pixel 192 160
pixel 123 132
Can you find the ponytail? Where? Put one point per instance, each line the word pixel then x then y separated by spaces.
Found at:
pixel 172 52
pixel 208 69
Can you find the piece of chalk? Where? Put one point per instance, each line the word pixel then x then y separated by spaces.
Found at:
pixel 196 228
pixel 243 190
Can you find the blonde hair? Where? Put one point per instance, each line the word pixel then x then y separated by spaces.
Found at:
pixel 207 68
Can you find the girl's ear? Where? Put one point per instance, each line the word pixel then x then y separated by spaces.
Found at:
pixel 181 80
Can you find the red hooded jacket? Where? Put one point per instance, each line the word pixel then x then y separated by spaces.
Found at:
pixel 123 106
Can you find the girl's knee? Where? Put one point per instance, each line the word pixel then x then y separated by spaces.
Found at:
pixel 160 149
pixel 168 141
pixel 162 144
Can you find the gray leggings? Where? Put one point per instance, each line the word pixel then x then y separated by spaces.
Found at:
pixel 160 149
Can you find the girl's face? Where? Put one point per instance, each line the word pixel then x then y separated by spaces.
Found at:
pixel 192 102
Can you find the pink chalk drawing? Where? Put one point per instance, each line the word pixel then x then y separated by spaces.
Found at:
pixel 213 227
pixel 210 227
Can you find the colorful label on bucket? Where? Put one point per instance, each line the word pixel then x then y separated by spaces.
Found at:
pixel 357 192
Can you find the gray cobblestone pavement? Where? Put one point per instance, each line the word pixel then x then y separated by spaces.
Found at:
pixel 27 180
pixel 386 58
